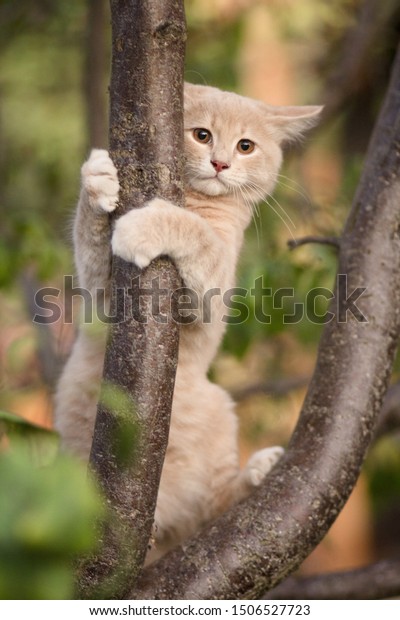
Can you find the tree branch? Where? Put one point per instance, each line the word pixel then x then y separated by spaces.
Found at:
pixel 295 243
pixel 96 63
pixel 377 581
pixel 254 546
pixel 275 387
pixel 50 362
pixel 359 63
pixel 389 417
pixel 146 142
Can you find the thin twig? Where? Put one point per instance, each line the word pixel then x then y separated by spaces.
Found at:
pixel 295 243
pixel 276 387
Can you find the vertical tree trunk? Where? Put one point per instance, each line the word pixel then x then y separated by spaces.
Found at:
pixel 95 71
pixel 146 144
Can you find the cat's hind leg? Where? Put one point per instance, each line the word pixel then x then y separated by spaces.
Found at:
pixel 257 467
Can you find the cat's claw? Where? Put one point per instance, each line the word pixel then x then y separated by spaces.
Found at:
pixel 100 180
pixel 261 463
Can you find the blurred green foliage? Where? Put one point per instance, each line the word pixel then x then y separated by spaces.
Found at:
pixel 42 134
pixel 384 474
pixel 48 508
pixel 289 276
pixel 211 50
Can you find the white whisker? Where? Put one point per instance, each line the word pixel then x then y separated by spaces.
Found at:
pixel 250 204
pixel 280 217
pixel 255 213
pixel 250 193
pixel 259 191
pixel 282 209
pixel 295 187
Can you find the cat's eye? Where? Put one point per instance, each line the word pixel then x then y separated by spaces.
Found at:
pixel 202 135
pixel 245 146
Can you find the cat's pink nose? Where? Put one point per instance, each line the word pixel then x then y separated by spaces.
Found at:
pixel 219 165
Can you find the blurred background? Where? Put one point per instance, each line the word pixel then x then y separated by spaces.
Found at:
pixel 54 74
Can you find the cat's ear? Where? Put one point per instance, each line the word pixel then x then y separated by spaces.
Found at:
pixel 193 91
pixel 192 96
pixel 291 122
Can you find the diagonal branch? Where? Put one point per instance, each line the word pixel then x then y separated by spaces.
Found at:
pixel 146 142
pixel 376 581
pixel 254 546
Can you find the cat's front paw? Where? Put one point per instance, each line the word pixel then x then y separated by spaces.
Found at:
pixel 260 463
pixel 100 180
pixel 137 237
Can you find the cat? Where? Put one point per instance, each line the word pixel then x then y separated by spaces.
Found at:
pixel 233 152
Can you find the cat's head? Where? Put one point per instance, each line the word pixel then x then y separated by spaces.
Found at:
pixel 233 144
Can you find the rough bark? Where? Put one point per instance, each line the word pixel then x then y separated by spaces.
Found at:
pixel 96 65
pixel 254 546
pixel 146 144
pixel 377 581
pixel 389 417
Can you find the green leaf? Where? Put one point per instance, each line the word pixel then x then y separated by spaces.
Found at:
pixel 40 443
pixel 48 515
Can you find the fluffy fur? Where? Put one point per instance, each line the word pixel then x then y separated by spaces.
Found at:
pixel 201 475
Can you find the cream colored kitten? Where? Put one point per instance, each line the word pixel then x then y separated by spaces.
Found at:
pixel 233 154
